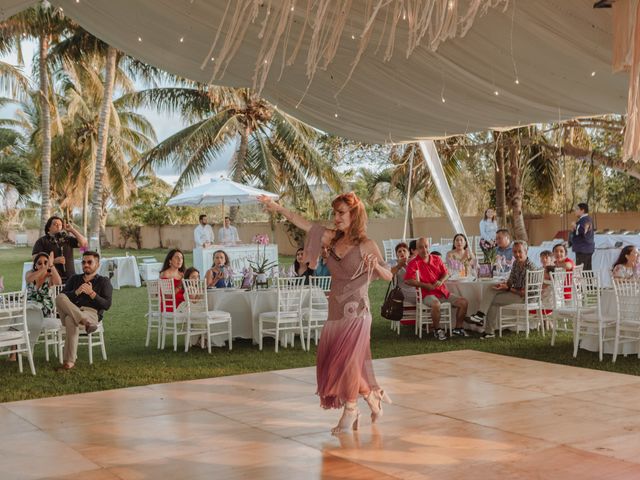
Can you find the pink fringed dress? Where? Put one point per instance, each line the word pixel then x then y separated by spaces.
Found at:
pixel 344 366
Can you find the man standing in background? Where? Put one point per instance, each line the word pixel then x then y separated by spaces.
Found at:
pixel 203 233
pixel 582 239
pixel 228 234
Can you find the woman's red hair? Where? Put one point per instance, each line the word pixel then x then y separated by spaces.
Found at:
pixel 357 232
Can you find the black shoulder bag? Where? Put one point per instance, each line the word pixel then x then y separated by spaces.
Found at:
pixel 392 306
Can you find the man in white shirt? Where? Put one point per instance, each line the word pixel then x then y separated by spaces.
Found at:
pixel 228 233
pixel 203 233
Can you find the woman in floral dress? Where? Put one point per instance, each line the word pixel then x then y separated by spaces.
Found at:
pixel 42 277
pixel 344 369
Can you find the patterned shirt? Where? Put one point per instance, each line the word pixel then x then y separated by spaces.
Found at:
pixel 518 277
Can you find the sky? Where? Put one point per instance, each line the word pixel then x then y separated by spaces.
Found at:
pixel 164 124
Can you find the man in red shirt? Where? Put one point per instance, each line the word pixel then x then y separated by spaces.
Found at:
pixel 427 272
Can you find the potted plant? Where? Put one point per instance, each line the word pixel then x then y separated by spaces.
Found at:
pixel 262 263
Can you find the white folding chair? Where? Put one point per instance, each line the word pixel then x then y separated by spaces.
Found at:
pixel 92 340
pixel 154 313
pixel 52 328
pixel 517 314
pixel 424 318
pixel 628 316
pixel 446 240
pixel 565 303
pixel 288 317
pixel 14 336
pixel 590 320
pixel 317 312
pixel 201 320
pixel 389 250
pixel 174 321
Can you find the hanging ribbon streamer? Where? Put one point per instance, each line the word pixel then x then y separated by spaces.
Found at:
pixel 324 24
pixel 626 57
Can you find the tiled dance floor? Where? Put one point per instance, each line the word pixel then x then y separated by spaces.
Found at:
pixel 456 415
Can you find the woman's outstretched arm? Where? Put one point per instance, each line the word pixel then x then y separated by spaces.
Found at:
pixel 298 220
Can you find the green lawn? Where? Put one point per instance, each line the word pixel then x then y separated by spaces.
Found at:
pixel 130 363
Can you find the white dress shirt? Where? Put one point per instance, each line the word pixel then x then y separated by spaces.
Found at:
pixel 202 234
pixel 228 235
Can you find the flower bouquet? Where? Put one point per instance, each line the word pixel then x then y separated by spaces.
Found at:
pixel 262 263
pixel 489 250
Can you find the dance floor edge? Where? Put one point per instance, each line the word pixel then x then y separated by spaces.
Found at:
pixel 455 415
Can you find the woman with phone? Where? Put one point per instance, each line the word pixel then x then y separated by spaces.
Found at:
pixel 220 271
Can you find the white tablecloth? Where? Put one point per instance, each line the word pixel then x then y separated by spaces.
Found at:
pixel 239 256
pixel 245 307
pixel 472 291
pixel 150 270
pixel 125 271
pixel 608 241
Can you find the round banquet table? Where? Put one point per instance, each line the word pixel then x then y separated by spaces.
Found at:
pixel 245 307
pixel 473 291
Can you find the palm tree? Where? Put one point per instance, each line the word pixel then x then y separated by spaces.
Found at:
pixel 84 52
pixel 274 150
pixel 46 24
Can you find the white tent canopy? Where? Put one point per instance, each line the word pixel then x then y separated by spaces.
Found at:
pixel 558 50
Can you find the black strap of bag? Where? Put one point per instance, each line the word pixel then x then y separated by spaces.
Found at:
pixel 392 306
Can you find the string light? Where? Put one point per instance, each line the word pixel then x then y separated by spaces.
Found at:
pixel 517 82
pixel 353 37
pixel 443 99
pixel 593 74
pixel 496 93
pixel 335 114
pixel 292 8
pixel 181 39
pixel 139 39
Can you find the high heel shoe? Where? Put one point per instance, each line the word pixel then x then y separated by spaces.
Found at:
pixel 350 420
pixel 374 400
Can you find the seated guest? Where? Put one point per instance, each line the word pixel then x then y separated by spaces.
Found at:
pixel 42 276
pixel 300 269
pixel 173 268
pixel 322 269
pixel 412 249
pixel 512 291
pixel 560 258
pixel 504 248
pixel 427 272
pixel 228 234
pixel 82 302
pixel 61 238
pixel 191 273
pixel 400 269
pixel 460 256
pixel 220 270
pixel 627 263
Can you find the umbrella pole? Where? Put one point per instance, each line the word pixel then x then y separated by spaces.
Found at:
pixel 222 219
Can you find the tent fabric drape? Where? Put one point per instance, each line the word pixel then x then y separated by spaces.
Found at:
pixel 550 46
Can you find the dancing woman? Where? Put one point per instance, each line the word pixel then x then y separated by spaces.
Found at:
pixel 344 367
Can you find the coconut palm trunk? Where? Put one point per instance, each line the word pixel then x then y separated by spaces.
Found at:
pixel 239 168
pixel 516 194
pixel 45 192
pixel 103 137
pixel 500 182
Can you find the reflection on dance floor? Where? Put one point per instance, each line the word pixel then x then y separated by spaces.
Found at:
pixel 462 414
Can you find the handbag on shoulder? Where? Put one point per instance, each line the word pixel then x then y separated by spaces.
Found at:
pixel 392 306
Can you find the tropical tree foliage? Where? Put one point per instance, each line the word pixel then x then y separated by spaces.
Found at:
pixel 273 150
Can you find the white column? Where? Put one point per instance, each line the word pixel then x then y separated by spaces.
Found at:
pixel 432 158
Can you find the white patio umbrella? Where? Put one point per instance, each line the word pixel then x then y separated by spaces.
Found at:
pixel 219 191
